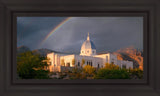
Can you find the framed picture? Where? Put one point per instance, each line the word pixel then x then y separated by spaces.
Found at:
pixel 79 48
pixel 59 56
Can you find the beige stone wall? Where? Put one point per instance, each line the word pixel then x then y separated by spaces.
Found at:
pixel 113 59
pixel 51 57
pixel 128 64
pixel 108 58
pixel 55 61
pixel 102 59
pixel 105 57
pixel 68 59
pixel 78 58
pixel 88 52
pixel 95 60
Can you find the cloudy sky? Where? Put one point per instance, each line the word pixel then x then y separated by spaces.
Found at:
pixel 67 34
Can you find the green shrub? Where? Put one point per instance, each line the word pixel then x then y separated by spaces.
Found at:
pixel 105 73
pixel 138 73
pixel 32 66
pixel 111 66
pixel 76 70
pixel 89 70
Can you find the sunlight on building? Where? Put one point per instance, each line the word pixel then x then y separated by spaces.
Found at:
pixel 88 56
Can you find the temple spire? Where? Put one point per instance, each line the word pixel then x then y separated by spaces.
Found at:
pixel 88 36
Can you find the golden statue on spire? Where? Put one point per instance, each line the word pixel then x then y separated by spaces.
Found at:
pixel 88 36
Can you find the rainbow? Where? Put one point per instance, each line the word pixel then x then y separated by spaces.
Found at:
pixel 55 29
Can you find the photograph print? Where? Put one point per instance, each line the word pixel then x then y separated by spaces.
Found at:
pixel 71 48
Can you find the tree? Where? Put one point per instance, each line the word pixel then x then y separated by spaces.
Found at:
pixel 89 70
pixel 83 62
pixel 112 71
pixel 136 73
pixel 73 62
pixel 105 73
pixel 31 66
pixel 62 62
pixel 111 66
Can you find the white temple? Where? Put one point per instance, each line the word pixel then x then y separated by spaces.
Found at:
pixel 88 56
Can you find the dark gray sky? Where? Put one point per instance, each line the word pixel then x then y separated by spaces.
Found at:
pixel 107 33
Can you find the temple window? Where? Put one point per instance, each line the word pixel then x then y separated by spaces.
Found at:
pixel 98 66
pixel 78 63
pixel 68 64
pixel 124 66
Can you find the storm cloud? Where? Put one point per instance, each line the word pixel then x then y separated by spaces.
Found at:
pixel 107 33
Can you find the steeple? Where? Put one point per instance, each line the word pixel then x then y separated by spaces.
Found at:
pixel 88 48
pixel 88 36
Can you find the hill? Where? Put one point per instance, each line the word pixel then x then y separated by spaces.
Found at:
pixel 22 49
pixel 42 52
pixel 131 54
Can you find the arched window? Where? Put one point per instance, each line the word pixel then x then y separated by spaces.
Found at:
pixel 98 66
pixel 78 63
pixel 124 66
pixel 68 64
pixel 87 51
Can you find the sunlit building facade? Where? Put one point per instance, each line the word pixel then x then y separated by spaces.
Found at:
pixel 88 56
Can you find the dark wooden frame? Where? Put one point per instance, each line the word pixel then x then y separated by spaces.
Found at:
pixel 149 9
